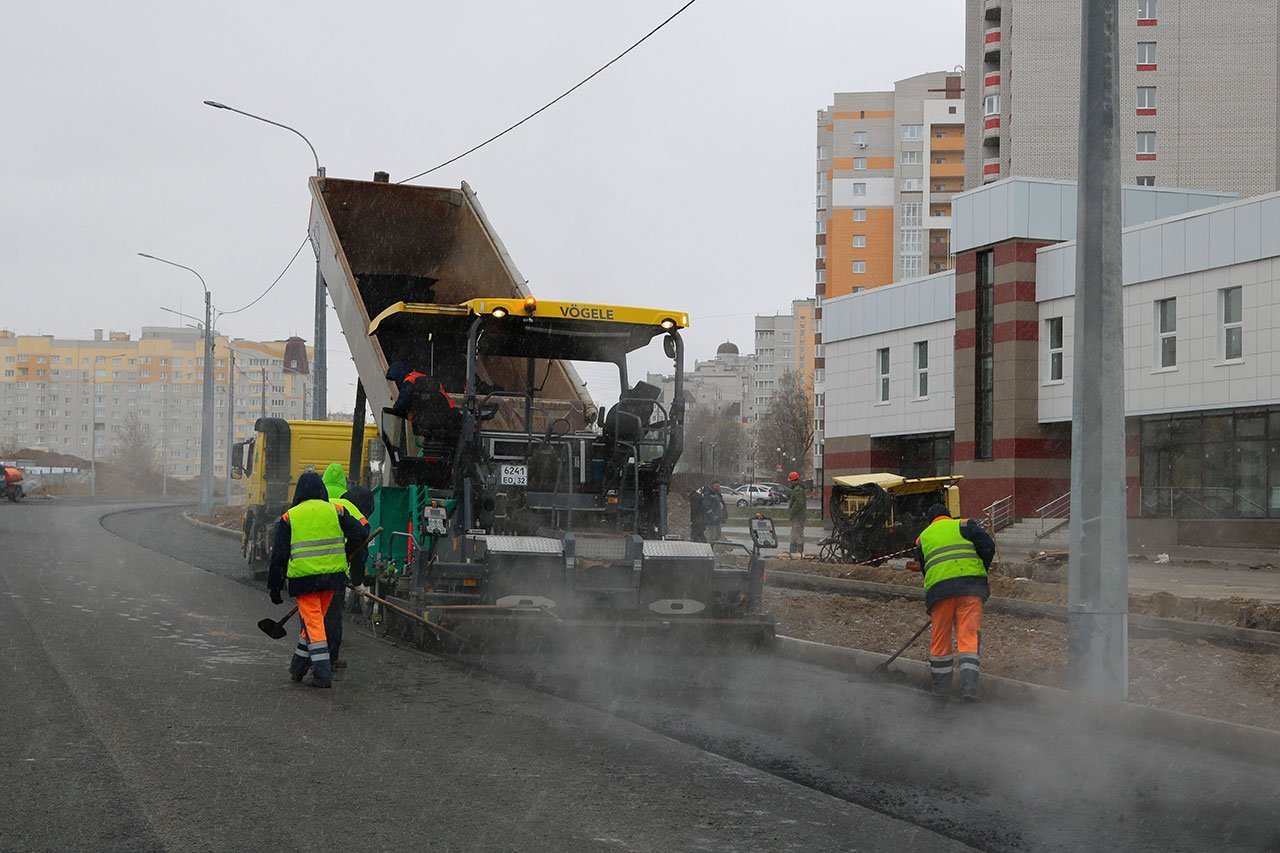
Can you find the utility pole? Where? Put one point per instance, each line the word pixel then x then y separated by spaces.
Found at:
pixel 206 427
pixel 1098 575
pixel 231 411
pixel 264 392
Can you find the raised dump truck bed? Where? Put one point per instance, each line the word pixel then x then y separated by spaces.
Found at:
pixel 379 243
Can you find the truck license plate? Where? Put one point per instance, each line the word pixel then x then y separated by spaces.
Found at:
pixel 514 475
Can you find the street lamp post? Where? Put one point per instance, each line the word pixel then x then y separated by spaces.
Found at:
pixel 206 426
pixel 320 361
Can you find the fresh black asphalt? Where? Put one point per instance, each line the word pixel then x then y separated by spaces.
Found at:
pixel 144 711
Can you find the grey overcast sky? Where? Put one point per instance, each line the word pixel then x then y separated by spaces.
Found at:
pixel 681 177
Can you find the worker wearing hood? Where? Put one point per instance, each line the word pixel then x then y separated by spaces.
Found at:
pixel 335 481
pixel 310 553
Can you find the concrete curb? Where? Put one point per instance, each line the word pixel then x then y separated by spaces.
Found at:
pixel 195 522
pixel 1140 624
pixel 1240 741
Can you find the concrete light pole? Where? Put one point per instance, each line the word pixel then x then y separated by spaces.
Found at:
pixel 1098 575
pixel 231 411
pixel 206 425
pixel 319 363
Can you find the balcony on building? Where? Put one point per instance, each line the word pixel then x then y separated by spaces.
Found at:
pixel 991 83
pixel 991 9
pixel 991 128
pixel 991 169
pixel 992 41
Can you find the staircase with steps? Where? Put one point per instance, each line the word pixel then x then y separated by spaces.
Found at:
pixel 1023 537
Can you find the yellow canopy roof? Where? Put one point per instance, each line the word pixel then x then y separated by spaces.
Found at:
pixel 898 484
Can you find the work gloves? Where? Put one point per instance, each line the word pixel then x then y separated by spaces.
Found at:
pixel 276 598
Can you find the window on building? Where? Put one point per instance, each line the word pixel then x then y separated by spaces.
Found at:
pixel 822 277
pixel 859 241
pixel 911 214
pixel 912 266
pixel 859 163
pixel 922 369
pixel 860 138
pixel 859 189
pixel 1146 97
pixel 1053 337
pixel 1146 10
pixel 882 368
pixel 859 214
pixel 1146 53
pixel 984 359
pixel 912 184
pixel 859 267
pixel 912 132
pixel 1167 333
pixel 1231 309
pixel 1146 142
pixel 823 152
pixel 912 241
pixel 822 226
pixel 822 205
pixel 821 250
pixel 991 105
pixel 1146 180
pixel 910 158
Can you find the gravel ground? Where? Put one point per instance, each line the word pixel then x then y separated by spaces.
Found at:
pixel 1237 684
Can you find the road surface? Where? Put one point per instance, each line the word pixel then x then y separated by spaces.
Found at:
pixel 144 711
pixel 593 751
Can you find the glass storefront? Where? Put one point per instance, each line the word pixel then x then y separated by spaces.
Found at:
pixel 1222 464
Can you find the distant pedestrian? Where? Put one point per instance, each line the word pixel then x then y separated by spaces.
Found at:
pixel 954 556
pixel 309 554
pixel 697 518
pixel 797 509
pixel 714 512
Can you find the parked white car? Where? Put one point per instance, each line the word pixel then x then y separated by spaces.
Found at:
pixel 756 495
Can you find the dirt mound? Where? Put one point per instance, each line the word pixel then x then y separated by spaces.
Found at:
pixel 113 479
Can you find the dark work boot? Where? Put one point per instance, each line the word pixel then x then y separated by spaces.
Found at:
pixel 322 671
pixel 299 663
pixel 941 668
pixel 969 678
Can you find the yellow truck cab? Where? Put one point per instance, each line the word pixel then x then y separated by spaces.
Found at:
pixel 270 464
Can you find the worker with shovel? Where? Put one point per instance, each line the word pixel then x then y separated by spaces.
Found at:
pixel 310 553
pixel 954 556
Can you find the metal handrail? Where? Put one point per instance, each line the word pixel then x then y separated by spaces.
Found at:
pixel 1057 509
pixel 999 515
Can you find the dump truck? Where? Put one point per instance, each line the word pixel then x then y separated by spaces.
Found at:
pixel 875 516
pixel 507 494
pixel 270 463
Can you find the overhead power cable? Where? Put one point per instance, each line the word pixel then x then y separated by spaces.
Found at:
pixel 557 99
pixel 273 284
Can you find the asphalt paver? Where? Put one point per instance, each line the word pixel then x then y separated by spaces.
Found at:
pixel 144 711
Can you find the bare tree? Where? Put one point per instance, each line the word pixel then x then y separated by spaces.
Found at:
pixel 786 429
pixel 137 452
pixel 714 444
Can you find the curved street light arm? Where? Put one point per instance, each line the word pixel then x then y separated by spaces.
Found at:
pixel 220 106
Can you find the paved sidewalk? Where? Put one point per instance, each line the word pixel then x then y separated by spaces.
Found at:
pixel 1190 573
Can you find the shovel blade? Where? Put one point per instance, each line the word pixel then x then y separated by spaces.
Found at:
pixel 271 628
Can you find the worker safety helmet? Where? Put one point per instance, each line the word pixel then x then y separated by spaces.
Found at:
pixel 792 477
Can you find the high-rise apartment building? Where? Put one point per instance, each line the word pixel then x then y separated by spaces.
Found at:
pixel 784 344
pixel 888 164
pixel 1198 92
pixel 61 394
